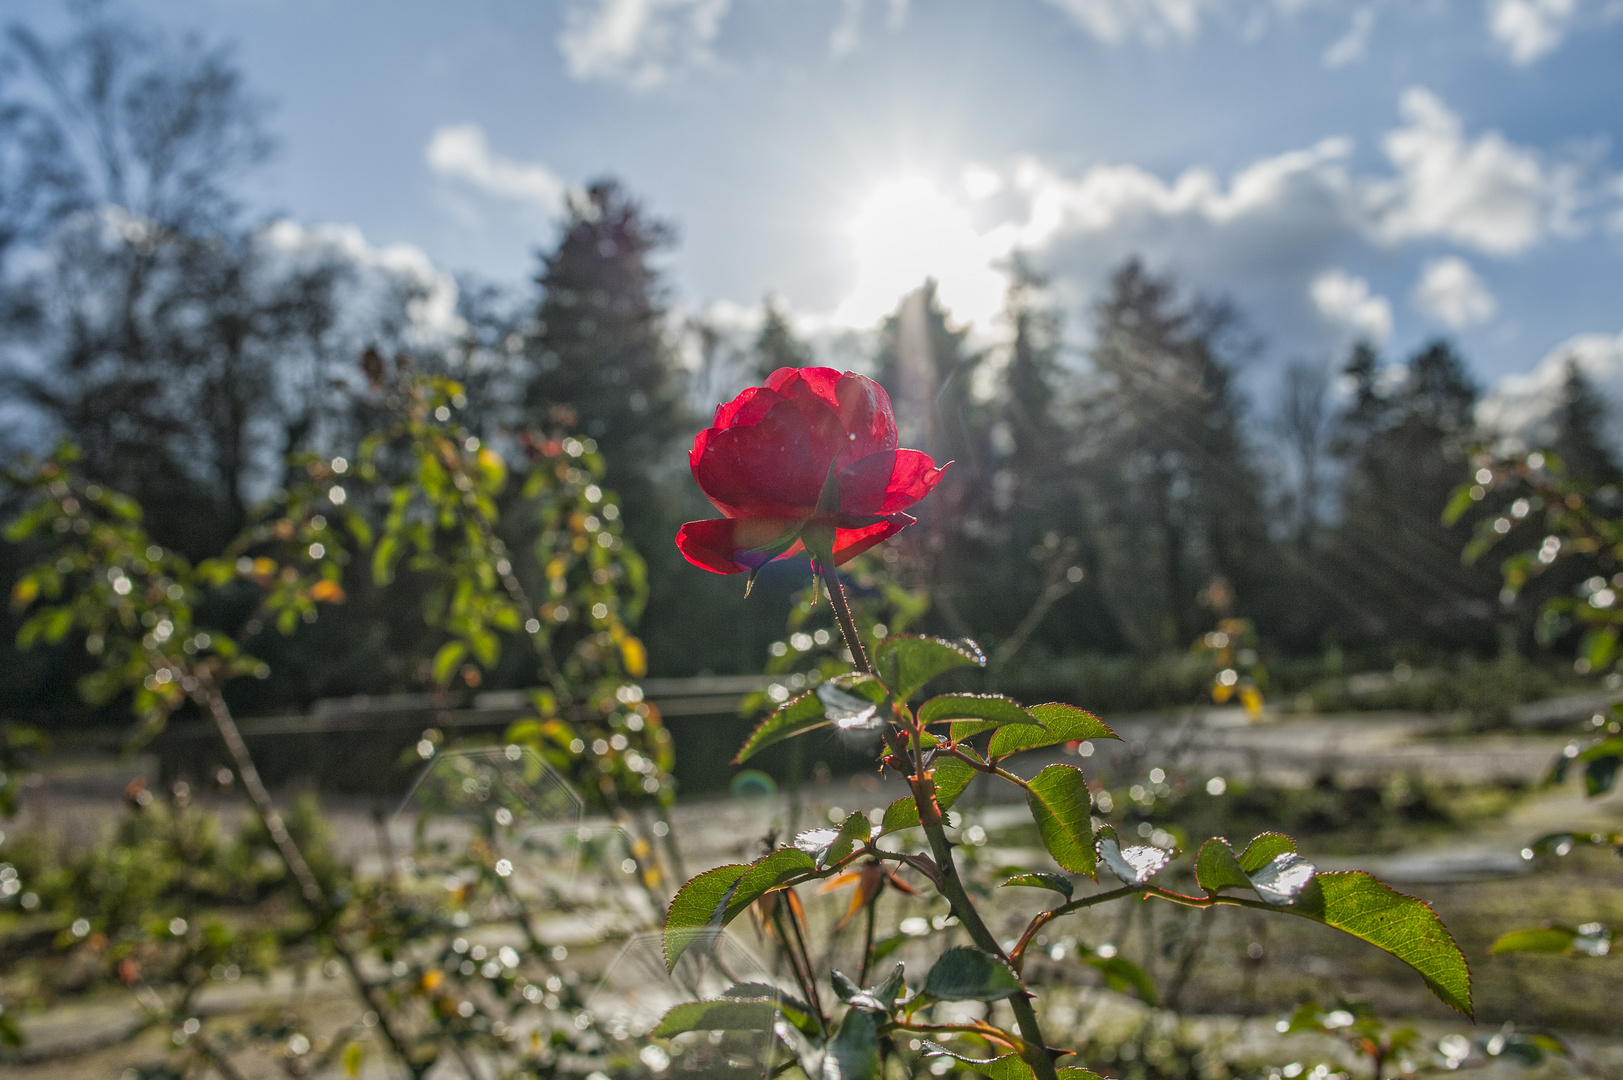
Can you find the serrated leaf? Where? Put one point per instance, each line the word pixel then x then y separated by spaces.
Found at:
pixel 1544 939
pixel 1217 869
pixel 853 1053
pixel 1367 908
pixel 1265 849
pixel 1060 724
pixel 829 846
pixel 1133 865
pixel 951 777
pixel 1037 880
pixel 728 890
pixel 723 1014
pixel 800 715
pixel 1282 881
pixel 901 814
pixel 965 973
pixel 1060 803
pixel 697 908
pixel 1003 1067
pixel 983 712
pixel 905 662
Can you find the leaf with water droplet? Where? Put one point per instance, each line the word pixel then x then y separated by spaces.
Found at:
pixel 1281 881
pixel 1133 865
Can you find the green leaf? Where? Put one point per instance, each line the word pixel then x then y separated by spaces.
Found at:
pixel 906 662
pixel 1053 882
pixel 383 559
pixel 1003 1067
pixel 725 1014
pixel 1601 764
pixel 713 899
pixel 698 907
pixel 1265 849
pixel 802 714
pixel 901 814
pixel 952 778
pixel 1134 864
pixel 828 847
pixel 1060 803
pixel 854 1048
pixel 1409 929
pixel 983 711
pixel 967 974
pixel 1060 724
pixel 446 660
pixel 1217 869
pixel 1545 939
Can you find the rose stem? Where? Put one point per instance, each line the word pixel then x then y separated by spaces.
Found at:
pixel 930 818
pixel 842 614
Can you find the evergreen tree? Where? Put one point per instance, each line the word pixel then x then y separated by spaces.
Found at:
pixel 1580 430
pixel 1173 492
pixel 598 344
pixel 776 346
pixel 1404 444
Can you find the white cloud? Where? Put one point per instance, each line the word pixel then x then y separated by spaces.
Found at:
pixel 1450 291
pixel 641 43
pixel 378 280
pixel 1529 29
pixel 462 151
pixel 1154 22
pixel 1263 235
pixel 1352 46
pixel 1522 407
pixel 1486 193
pixel 1346 302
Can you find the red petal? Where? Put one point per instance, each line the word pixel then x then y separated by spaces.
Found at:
pixel 849 543
pixel 862 404
pixel 887 482
pixel 732 545
pixel 776 468
pixel 864 409
pixel 745 410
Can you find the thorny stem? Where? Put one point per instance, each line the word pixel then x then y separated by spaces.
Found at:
pixel 1036 1052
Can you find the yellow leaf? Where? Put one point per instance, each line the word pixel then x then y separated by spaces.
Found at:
pixel 327 592
pixel 26 591
pixel 1221 693
pixel 635 655
pixel 352 1058
pixel 1251 698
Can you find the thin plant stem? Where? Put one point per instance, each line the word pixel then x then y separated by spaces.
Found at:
pixel 1036 1052
pixel 208 695
pixel 842 615
pixel 867 941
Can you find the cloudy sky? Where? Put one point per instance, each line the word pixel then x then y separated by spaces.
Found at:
pixel 1394 169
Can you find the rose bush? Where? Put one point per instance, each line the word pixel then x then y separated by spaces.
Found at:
pixel 808 461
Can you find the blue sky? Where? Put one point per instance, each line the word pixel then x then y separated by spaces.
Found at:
pixel 1337 167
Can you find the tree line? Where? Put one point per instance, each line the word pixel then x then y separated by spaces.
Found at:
pixel 1117 496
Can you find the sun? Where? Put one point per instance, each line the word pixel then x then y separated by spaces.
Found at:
pixel 908 229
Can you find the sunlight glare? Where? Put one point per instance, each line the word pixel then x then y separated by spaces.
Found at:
pixel 908 230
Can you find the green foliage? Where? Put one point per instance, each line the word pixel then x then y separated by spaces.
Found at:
pixel 1061 806
pixel 968 974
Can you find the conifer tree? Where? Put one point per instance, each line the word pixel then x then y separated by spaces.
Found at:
pixel 1580 430
pixel 776 345
pixel 598 346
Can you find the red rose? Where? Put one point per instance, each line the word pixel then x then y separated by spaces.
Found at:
pixel 809 459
